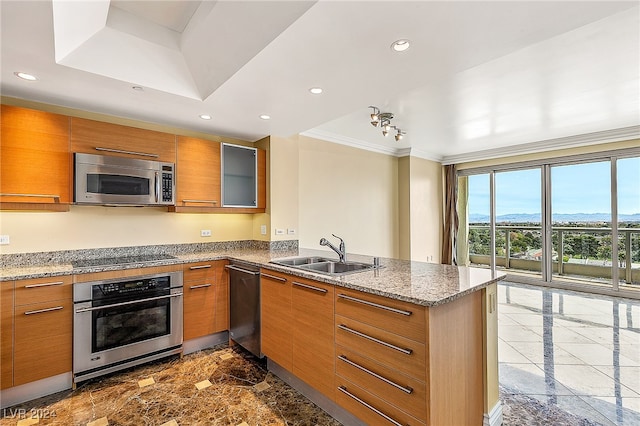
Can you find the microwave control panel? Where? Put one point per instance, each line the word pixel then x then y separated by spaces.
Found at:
pixel 167 183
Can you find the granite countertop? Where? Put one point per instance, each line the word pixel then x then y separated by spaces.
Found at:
pixel 426 284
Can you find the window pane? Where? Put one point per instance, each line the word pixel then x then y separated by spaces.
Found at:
pixel 581 221
pixel 519 221
pixel 479 210
pixel 629 220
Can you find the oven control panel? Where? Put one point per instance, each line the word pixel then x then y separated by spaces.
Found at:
pixel 130 287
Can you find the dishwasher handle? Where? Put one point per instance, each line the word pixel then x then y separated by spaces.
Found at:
pixel 246 271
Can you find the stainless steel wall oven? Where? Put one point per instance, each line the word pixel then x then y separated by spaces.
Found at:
pixel 123 322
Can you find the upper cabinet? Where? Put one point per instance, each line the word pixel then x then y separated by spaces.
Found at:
pixel 239 176
pixel 35 161
pixel 213 177
pixel 97 137
pixel 197 175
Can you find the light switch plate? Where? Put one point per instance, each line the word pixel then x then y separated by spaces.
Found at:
pixel 279 231
pixel 291 231
pixel 263 229
pixel 205 233
pixel 4 240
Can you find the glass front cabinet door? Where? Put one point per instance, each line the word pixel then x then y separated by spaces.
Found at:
pixel 239 176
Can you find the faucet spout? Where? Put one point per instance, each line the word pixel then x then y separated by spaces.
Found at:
pixel 342 252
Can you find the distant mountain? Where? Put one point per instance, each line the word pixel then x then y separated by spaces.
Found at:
pixel 563 218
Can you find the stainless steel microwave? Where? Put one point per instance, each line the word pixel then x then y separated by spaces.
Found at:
pixel 106 180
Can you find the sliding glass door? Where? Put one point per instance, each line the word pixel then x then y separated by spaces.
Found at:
pixel 581 222
pixel 571 220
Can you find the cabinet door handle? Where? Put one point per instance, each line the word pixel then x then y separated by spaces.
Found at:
pixel 39 311
pixel 373 339
pixel 273 277
pixel 310 287
pixel 244 271
pixel 193 268
pixel 376 375
pixel 44 284
pixel 200 201
pixel 120 151
pixel 56 198
pixel 193 287
pixel 375 305
pixel 369 406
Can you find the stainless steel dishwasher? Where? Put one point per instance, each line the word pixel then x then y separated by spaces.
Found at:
pixel 244 306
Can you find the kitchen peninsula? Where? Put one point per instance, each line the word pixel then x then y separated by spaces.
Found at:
pixel 407 343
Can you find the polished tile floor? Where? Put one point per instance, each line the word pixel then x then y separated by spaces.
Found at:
pixel 569 354
pixel 565 359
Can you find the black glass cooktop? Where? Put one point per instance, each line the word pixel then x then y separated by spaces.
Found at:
pixel 106 261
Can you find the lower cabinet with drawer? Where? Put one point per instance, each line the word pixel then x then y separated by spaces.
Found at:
pixel 381 358
pixel 206 299
pixel 42 329
pixel 297 327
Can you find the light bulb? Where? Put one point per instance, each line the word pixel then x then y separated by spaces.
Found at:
pixel 385 133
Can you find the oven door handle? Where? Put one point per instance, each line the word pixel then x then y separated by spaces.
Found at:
pixel 132 302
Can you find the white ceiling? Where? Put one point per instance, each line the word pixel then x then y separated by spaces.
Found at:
pixel 481 79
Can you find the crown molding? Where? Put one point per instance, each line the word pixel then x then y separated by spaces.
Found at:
pixel 606 136
pixel 594 138
pixel 368 146
pixel 348 141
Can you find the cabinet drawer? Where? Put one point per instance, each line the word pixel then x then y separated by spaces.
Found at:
pixel 43 290
pixel 369 408
pixel 42 342
pixel 405 319
pixel 201 271
pixel 397 352
pixel 397 389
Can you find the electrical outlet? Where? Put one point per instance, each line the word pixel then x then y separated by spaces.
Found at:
pixel 279 231
pixel 291 231
pixel 263 229
pixel 205 233
pixel 4 240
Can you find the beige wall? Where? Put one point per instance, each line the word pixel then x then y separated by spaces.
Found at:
pixel 420 209
pixel 96 227
pixel 349 192
pixel 284 188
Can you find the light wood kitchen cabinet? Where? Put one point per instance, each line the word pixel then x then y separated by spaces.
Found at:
pixel 297 327
pixel 276 318
pixel 381 358
pixel 197 175
pixel 199 178
pixel 205 299
pixel 35 160
pixel 313 340
pixel 6 334
pixel 43 327
pixel 97 137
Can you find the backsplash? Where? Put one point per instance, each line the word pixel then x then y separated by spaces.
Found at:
pixel 17 260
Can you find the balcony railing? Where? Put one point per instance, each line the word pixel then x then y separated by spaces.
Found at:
pixel 529 261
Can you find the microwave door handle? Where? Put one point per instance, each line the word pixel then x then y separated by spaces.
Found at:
pixel 157 187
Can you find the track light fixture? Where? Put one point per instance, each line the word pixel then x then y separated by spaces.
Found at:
pixel 383 120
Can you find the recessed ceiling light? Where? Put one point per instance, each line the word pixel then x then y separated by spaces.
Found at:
pixel 138 88
pixel 316 90
pixel 265 117
pixel 25 76
pixel 205 116
pixel 400 45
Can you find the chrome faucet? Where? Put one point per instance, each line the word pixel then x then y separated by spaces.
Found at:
pixel 342 252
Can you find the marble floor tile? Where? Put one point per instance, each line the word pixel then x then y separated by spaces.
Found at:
pixel 536 352
pixel 576 379
pixel 529 379
pixel 518 333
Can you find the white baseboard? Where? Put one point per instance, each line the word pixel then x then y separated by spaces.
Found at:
pixel 33 390
pixel 494 417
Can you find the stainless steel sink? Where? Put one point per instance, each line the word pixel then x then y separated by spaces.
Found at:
pixel 296 261
pixel 323 265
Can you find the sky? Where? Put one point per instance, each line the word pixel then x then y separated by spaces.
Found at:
pixel 577 188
